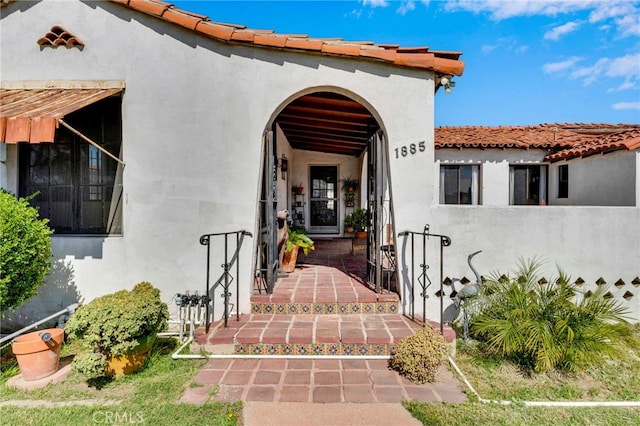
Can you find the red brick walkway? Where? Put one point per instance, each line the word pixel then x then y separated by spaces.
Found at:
pixel 314 381
pixel 324 308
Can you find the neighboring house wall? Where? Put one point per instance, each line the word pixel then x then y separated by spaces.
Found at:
pixel 586 242
pixel 589 239
pixel 194 114
pixel 598 180
pixel 494 169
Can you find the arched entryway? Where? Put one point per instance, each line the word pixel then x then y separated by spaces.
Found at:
pixel 318 139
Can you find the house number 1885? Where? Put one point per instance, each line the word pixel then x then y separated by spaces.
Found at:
pixel 410 149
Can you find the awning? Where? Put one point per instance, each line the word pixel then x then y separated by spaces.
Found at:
pixel 32 115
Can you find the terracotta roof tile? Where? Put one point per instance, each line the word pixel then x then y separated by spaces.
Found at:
pixel 414 57
pixel 152 7
pixel 305 44
pixel 187 20
pixel 562 141
pixel 58 36
pixel 337 48
pixel 270 40
pixel 222 32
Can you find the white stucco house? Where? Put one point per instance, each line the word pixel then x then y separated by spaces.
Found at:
pixel 145 127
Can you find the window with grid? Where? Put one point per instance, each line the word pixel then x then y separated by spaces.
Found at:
pixel 79 188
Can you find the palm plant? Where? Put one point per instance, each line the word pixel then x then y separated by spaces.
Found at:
pixel 549 325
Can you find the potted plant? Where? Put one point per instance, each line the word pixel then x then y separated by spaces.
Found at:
pixel 359 221
pixel 297 239
pixel 349 187
pixel 116 331
pixel 348 223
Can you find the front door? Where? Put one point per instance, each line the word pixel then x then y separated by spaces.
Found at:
pixel 323 200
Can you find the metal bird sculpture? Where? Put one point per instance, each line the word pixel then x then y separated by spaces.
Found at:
pixel 467 293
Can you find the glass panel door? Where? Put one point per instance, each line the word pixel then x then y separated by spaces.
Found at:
pixel 323 199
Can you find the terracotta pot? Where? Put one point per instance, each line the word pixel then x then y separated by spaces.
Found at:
pixel 132 362
pixel 289 260
pixel 361 235
pixel 38 359
pixel 349 229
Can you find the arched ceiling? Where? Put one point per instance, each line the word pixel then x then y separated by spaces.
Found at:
pixel 327 122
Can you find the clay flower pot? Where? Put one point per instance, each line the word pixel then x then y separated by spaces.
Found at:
pixel 133 361
pixel 38 353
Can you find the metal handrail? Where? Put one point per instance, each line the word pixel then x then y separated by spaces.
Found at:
pixel 225 279
pixel 68 310
pixel 423 279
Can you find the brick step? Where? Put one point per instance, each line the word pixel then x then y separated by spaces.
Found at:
pixel 324 334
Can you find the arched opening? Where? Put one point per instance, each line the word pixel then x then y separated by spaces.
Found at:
pixel 315 144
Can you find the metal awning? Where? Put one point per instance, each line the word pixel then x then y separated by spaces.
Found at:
pixel 32 115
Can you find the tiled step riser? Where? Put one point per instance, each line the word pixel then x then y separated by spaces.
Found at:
pixel 346 308
pixel 314 349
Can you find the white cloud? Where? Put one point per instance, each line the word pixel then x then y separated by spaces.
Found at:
pixel 506 44
pixel 501 9
pixel 625 66
pixel 625 14
pixel 628 84
pixel 405 7
pixel 375 3
pixel 561 30
pixel 555 67
pixel 626 105
pixel 592 73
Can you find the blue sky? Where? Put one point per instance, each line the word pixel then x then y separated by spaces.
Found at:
pixel 527 61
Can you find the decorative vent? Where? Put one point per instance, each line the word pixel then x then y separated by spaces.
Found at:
pixel 628 295
pixel 588 293
pixel 447 281
pixel 438 293
pixel 464 280
pixel 636 281
pixel 579 281
pixel 608 295
pixel 58 36
pixel 601 281
pixel 619 283
pixel 543 281
pixel 453 294
pixel 503 278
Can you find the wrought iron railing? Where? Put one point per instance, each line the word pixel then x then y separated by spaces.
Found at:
pixel 423 279
pixel 226 279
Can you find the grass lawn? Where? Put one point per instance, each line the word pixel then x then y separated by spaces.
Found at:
pixel 494 379
pixel 149 397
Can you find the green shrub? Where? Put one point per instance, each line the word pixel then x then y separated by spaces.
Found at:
pixel 25 250
pixel 418 356
pixel 544 325
pixel 111 325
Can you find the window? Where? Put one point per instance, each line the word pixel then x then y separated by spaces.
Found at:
pixel 528 185
pixel 79 187
pixel 459 184
pixel 563 181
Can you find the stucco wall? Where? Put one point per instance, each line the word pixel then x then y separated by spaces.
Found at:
pixel 194 113
pixel 585 242
pixel 599 180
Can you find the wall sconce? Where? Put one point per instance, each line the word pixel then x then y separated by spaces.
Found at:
pixel 447 82
pixel 284 166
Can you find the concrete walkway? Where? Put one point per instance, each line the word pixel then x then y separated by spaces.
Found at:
pixel 315 381
pixel 348 414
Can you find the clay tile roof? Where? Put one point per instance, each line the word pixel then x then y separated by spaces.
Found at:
pixel 412 57
pixel 562 141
